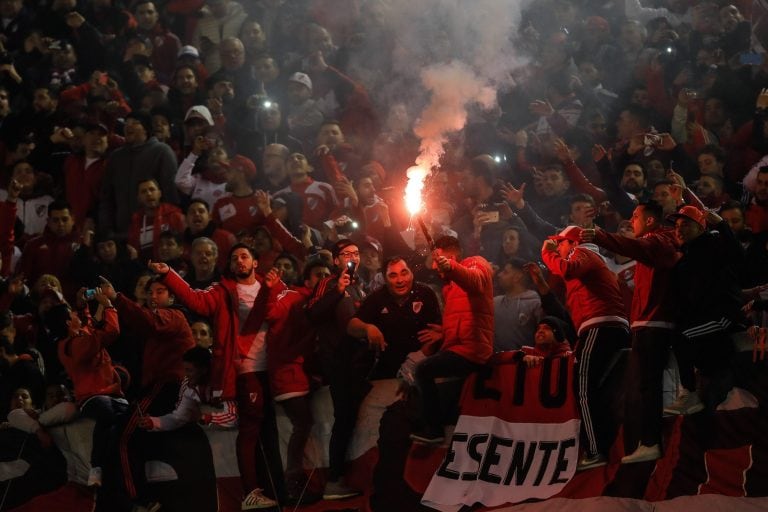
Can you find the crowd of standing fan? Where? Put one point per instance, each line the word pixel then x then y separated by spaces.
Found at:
pixel 202 218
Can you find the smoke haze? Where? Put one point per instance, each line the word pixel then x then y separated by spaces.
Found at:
pixel 457 53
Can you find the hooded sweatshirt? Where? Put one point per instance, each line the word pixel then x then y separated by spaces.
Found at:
pixel 126 168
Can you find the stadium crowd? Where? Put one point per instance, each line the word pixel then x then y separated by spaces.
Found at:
pixel 202 216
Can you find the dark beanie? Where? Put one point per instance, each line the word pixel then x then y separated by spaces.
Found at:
pixel 144 119
pixel 557 326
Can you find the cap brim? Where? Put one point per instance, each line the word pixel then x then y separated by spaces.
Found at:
pixel 674 216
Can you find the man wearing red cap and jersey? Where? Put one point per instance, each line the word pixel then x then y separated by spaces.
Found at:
pixel 709 302
pixel 594 301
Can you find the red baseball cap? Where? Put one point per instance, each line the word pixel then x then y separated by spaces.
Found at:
pixel 570 233
pixel 690 213
pixel 244 164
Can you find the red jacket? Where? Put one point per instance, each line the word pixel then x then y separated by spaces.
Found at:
pixel 82 186
pixel 219 302
pixel 468 312
pixel 87 362
pixel 656 253
pixel 166 336
pixel 289 338
pixel 168 217
pixel 592 290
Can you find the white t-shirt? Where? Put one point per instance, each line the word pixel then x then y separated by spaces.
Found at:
pixel 256 359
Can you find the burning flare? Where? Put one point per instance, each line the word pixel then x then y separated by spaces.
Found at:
pixel 452 87
pixel 414 188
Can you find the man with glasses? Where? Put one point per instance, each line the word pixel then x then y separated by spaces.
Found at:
pixel 347 362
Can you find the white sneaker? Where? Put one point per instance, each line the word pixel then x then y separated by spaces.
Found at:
pixel 94 477
pixel 256 500
pixel 688 402
pixel 642 454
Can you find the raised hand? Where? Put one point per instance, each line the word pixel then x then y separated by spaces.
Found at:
pixel 512 195
pixel 272 277
pixel 343 281
pixel 549 245
pixel 106 288
pixel 14 190
pixel 587 235
pixel 562 151
pixel 442 263
pixel 598 153
pixel 537 277
pixel 158 267
pixel 262 201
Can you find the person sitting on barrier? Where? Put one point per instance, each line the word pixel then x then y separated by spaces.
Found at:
pixel 195 397
pixel 467 329
pixel 549 341
pixel 24 416
pixel 82 349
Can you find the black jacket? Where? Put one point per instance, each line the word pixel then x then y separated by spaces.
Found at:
pixel 706 278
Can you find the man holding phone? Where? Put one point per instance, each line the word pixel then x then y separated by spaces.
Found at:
pixel 488 215
pixel 346 361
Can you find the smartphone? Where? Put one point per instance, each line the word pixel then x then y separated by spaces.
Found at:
pixel 492 217
pixel 750 59
pixel 651 139
pixel 351 269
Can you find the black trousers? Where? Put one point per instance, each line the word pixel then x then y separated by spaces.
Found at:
pixel 443 364
pixel 595 350
pixel 644 385
pixel 346 369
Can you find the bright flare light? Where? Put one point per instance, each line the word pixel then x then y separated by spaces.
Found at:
pixel 413 199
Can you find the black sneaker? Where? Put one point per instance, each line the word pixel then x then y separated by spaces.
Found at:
pixel 338 491
pixel 299 493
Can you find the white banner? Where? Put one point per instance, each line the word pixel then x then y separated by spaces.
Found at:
pixel 493 462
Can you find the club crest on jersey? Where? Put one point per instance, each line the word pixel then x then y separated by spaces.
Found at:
pixel 417 306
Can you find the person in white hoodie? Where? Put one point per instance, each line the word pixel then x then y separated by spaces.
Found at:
pixel 195 397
